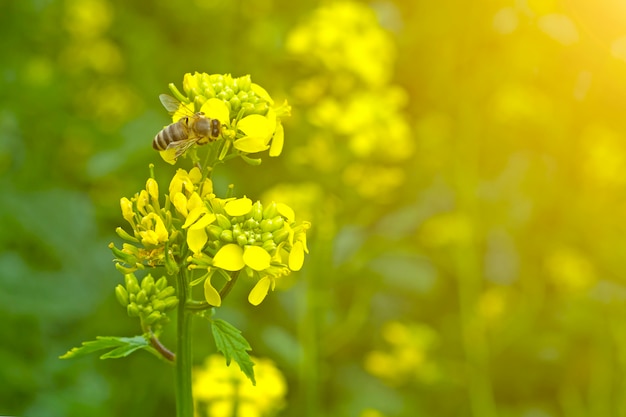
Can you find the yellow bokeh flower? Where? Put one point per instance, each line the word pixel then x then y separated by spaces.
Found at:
pixel 224 391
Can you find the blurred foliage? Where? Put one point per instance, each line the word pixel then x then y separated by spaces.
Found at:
pixel 462 165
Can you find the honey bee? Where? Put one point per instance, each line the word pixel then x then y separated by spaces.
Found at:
pixel 189 130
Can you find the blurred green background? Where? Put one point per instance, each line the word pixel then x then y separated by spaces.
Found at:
pixel 463 166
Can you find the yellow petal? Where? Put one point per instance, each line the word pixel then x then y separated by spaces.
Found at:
pixel 277 141
pixel 286 211
pixel 194 215
pixel 258 293
pixel 196 239
pixel 127 210
pixel 229 257
pixel 161 230
pixel 180 202
pixel 251 144
pixel 256 125
pixel 216 109
pixel 149 238
pixel 194 202
pixel 169 155
pixel 256 258
pixel 183 111
pixel 261 92
pixel 238 207
pixel 296 256
pixel 203 221
pixel 195 175
pixel 210 294
pixel 153 188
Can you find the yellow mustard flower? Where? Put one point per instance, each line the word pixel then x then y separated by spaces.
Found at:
pixel 224 391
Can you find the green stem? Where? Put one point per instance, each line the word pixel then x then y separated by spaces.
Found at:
pixel 184 398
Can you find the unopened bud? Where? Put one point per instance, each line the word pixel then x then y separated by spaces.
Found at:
pixel 161 284
pixel 131 283
pixel 170 303
pixel 142 297
pixel 166 292
pixel 281 235
pixel 270 211
pixel 125 235
pixel 133 310
pixel 223 221
pixel 153 317
pixel 123 256
pixel 278 223
pixel 257 211
pixel 269 246
pixel 214 231
pixel 227 236
pixel 242 240
pixel 147 284
pixel 158 305
pixel 122 295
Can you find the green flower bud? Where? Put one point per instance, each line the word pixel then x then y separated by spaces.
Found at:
pixel 147 284
pixel 267 236
pixel 235 103
pixel 267 225
pixel 269 246
pixel 223 221
pixel 280 235
pixel 270 211
pixel 122 295
pixel 142 297
pixel 243 96
pixel 133 310
pixel 227 236
pixel 223 95
pixel 261 108
pixel 248 108
pixel 170 303
pixel 257 211
pixel 146 309
pixel 243 83
pixel 251 224
pixel 125 235
pixel 127 258
pixel 153 317
pixel 158 305
pixel 126 270
pixel 278 222
pixel 166 292
pixel 242 240
pixel 161 284
pixel 214 231
pixel 131 283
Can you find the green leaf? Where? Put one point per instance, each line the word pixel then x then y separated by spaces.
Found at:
pixel 233 345
pixel 119 347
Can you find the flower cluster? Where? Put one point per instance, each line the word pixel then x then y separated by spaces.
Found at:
pixel 250 122
pixel 237 234
pixel 148 301
pixel 360 134
pixel 343 37
pixel 223 391
pixel 408 356
pixel 196 229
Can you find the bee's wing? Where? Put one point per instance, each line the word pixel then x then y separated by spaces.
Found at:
pixel 173 105
pixel 182 146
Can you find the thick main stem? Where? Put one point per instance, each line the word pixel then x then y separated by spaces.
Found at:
pixel 184 398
